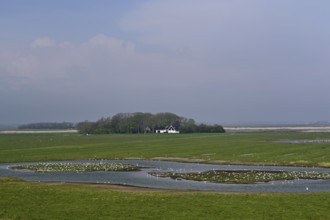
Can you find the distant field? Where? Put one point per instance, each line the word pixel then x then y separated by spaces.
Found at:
pixel 236 148
pixel 24 200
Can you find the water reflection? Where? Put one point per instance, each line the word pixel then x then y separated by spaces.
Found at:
pixel 303 141
pixel 143 179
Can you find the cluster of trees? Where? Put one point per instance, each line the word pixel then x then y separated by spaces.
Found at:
pixel 139 122
pixel 48 125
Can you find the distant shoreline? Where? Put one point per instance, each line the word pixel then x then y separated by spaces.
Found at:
pixel 37 131
pixel 277 128
pixel 227 128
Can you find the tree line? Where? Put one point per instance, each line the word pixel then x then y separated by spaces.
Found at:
pixel 48 126
pixel 139 122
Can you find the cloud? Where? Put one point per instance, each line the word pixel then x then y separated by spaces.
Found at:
pixel 66 44
pixel 254 55
pixel 23 67
pixel 99 60
pixel 232 40
pixel 233 60
pixel 102 40
pixel 192 23
pixel 43 42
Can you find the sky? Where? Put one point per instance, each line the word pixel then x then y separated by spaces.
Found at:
pixel 216 61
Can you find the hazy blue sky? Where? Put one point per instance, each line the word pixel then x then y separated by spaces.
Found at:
pixel 217 61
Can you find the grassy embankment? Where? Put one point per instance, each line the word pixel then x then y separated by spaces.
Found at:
pixel 23 200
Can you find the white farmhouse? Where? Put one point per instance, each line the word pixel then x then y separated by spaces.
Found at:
pixel 170 130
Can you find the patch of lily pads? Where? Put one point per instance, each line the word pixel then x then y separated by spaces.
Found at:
pixel 242 176
pixel 77 167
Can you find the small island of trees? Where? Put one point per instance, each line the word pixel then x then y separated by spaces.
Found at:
pixel 139 122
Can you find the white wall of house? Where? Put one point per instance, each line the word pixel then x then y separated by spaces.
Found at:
pixel 161 131
pixel 173 131
pixel 170 130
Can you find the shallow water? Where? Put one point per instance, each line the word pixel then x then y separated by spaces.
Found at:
pixel 143 179
pixel 304 141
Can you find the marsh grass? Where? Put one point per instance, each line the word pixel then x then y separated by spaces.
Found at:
pixel 242 176
pixel 77 167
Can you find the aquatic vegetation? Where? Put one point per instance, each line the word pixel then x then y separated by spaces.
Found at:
pixel 242 176
pixel 77 167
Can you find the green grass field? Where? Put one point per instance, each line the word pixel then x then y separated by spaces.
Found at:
pixel 21 200
pixel 24 200
pixel 228 147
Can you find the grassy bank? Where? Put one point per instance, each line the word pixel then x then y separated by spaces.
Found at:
pixel 22 200
pixel 229 147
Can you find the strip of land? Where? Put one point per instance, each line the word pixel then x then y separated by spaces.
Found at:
pixel 279 128
pixel 38 131
pixel 228 129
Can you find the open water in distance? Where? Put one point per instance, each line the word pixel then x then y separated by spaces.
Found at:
pixel 143 179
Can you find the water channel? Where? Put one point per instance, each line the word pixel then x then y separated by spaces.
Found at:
pixel 143 179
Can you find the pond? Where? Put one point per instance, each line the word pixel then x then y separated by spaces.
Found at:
pixel 142 178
